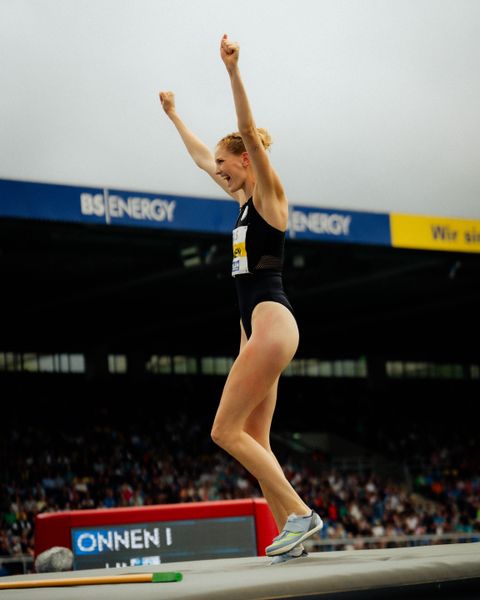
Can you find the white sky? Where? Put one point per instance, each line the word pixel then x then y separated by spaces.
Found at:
pixel 372 104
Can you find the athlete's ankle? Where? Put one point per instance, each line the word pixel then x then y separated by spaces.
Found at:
pixel 305 512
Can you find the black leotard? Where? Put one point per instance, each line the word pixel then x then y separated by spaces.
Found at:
pixel 257 263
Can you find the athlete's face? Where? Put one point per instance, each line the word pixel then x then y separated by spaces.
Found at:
pixel 231 167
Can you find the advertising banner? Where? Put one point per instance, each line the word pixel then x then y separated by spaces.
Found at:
pixel 101 206
pixel 435 233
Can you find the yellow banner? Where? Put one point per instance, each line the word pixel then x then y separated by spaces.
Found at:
pixel 435 233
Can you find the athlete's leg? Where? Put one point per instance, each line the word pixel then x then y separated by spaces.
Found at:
pixel 272 345
pixel 258 426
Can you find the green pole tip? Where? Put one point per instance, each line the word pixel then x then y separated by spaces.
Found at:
pixel 167 576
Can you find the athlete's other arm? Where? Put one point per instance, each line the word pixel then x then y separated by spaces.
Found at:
pixel 267 181
pixel 201 154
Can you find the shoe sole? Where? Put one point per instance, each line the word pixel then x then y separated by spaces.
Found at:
pixel 288 547
pixel 288 558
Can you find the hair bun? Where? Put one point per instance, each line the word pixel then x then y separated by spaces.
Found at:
pixel 233 141
pixel 265 137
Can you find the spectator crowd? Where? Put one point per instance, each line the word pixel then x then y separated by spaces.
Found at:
pixel 115 466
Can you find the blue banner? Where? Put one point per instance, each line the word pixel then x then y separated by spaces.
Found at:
pixel 330 225
pixel 28 200
pixel 81 204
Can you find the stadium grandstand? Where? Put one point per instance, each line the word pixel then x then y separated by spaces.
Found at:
pixel 116 341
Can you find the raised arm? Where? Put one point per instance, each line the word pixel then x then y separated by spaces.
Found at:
pixel 267 181
pixel 201 154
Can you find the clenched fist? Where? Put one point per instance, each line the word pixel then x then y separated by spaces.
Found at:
pixel 168 102
pixel 229 51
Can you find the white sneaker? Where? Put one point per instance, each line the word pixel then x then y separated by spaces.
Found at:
pixel 297 528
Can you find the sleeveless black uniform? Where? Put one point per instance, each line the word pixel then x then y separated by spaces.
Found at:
pixel 257 263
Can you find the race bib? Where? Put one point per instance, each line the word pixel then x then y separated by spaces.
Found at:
pixel 240 259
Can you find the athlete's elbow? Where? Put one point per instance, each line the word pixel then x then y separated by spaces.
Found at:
pixel 201 163
pixel 203 160
pixel 247 130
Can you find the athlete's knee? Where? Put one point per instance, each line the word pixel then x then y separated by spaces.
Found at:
pixel 224 436
pixel 216 436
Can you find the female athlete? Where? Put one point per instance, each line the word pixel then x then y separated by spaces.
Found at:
pixel 268 330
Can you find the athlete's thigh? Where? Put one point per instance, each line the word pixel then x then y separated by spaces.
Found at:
pixel 262 358
pixel 250 379
pixel 274 327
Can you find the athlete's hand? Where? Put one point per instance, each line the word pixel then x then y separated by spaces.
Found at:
pixel 168 102
pixel 229 51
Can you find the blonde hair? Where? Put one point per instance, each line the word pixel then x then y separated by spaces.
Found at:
pixel 233 141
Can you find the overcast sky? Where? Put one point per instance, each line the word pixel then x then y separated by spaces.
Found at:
pixel 372 104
